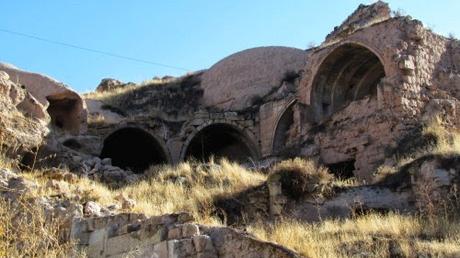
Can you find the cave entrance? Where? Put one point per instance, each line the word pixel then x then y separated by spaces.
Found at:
pixel 351 72
pixel 134 149
pixel 343 170
pixel 281 137
pixel 64 112
pixel 220 141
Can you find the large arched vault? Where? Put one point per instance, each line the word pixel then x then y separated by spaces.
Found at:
pixel 220 141
pixel 133 148
pixel 349 73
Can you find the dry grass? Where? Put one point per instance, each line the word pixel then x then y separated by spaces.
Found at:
pixel 448 139
pixel 194 186
pixel 191 187
pixel 447 143
pixel 300 178
pixel 106 95
pixel 372 235
pixel 25 231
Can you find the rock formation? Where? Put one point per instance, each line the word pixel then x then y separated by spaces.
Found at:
pixel 65 107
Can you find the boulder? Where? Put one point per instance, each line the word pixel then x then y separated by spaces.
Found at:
pixel 109 84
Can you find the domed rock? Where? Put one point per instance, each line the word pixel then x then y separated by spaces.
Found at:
pixel 234 82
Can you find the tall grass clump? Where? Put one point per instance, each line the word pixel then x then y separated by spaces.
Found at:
pixel 300 178
pixel 371 235
pixel 191 187
pixel 26 231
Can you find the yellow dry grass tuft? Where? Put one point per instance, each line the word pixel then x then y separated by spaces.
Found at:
pixel 448 139
pixel 194 186
pixel 106 95
pixel 190 187
pixel 372 235
pixel 301 177
pixel 25 231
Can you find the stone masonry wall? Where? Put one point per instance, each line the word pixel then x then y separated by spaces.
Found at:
pixel 168 236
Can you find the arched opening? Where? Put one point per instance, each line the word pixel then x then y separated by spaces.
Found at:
pixel 220 141
pixel 134 149
pixel 283 129
pixel 351 72
pixel 65 111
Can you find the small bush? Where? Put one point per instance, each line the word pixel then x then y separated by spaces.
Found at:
pixel 300 177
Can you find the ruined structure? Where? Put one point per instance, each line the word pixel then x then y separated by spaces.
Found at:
pixel 346 102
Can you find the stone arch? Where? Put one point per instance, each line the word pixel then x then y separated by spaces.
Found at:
pixel 134 148
pixel 220 140
pixel 284 123
pixel 349 72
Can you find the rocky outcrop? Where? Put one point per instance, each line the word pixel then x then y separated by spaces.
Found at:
pixel 108 232
pixel 65 107
pixel 23 123
pixel 109 84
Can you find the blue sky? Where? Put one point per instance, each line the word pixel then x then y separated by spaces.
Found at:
pixel 189 34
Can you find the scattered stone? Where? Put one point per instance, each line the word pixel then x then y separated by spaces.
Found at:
pixel 92 209
pixel 126 203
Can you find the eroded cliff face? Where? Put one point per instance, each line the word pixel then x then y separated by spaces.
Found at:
pixel 23 120
pixel 64 106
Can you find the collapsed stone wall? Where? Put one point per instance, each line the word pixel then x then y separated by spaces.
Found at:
pixel 172 235
pixel 367 131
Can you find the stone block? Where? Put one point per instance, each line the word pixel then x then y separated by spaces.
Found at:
pixel 97 243
pixel 202 243
pixel 175 233
pixel 161 249
pixel 184 217
pixel 133 241
pixel 190 230
pixel 181 248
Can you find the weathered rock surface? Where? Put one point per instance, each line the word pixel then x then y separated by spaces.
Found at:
pixel 104 233
pixel 99 113
pixel 109 84
pixel 171 235
pixel 66 108
pixel 23 120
